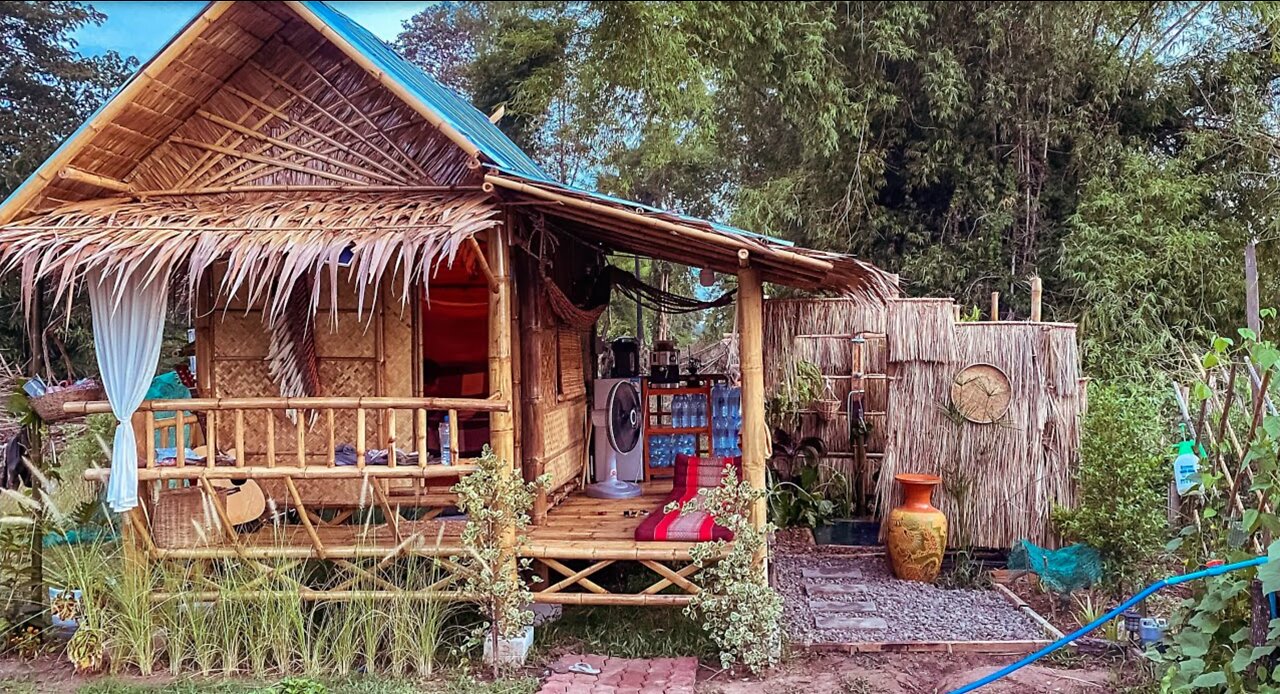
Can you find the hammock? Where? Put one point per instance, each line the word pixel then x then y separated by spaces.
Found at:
pixel 631 287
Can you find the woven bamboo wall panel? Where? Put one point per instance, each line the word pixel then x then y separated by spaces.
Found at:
pixel 240 334
pixel 397 348
pixel 243 334
pixel 564 429
pixel 572 377
pixel 350 338
pixel 242 378
pixel 548 361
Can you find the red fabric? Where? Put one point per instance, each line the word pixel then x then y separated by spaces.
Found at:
pixel 691 475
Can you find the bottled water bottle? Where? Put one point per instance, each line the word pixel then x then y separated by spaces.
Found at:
pixel 446 455
pixel 658 451
pixel 679 412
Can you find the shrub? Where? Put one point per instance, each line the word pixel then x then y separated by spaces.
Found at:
pixel 739 611
pixel 1122 481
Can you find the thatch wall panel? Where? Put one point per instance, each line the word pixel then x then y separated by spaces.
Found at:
pixel 921 330
pixel 1001 480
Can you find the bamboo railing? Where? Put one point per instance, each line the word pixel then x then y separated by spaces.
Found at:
pixel 311 417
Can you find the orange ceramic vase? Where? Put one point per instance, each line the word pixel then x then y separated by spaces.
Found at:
pixel 917 534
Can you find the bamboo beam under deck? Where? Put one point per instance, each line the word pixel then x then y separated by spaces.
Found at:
pixel 314 472
pixel 490 404
pixel 726 241
pixel 25 193
pixel 612 599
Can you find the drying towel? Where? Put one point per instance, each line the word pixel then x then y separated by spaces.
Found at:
pixel 692 475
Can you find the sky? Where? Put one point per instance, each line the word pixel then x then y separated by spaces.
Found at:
pixel 141 29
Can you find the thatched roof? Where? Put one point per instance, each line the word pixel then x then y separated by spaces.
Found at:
pixel 268 240
pixel 293 98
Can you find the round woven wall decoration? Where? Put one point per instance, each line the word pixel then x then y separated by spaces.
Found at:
pixel 981 393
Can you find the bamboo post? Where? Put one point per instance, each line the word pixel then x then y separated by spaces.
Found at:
pixel 149 432
pixel 271 437
pixel 332 450
pixel 240 438
pixel 750 355
pixel 180 436
pixel 360 435
pixel 995 306
pixel 300 436
pixel 391 438
pixel 420 424
pixel 1037 294
pixel 501 424
pixel 533 401
pixel 211 438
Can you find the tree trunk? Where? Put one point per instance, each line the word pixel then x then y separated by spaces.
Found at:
pixel 660 271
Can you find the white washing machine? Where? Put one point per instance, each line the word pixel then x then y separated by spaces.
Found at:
pixel 617 417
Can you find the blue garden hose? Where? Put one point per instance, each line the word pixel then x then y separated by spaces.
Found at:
pixel 1115 612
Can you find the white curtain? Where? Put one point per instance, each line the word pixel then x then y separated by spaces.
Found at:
pixel 128 326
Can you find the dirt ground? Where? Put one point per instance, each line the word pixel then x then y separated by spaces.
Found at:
pixel 901 673
pixel 911 673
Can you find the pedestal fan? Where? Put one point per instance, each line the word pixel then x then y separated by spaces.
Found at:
pixel 623 431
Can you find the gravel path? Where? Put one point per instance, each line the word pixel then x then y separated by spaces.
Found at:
pixel 833 598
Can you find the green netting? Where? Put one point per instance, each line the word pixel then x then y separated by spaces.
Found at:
pixel 1060 570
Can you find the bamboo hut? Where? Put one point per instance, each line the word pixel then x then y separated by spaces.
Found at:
pixel 993 407
pixel 362 254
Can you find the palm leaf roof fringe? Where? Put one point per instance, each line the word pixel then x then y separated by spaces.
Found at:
pixel 269 242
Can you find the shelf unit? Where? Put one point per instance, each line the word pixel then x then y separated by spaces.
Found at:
pixel 657 399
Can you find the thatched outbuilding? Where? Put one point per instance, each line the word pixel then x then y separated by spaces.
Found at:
pixel 993 407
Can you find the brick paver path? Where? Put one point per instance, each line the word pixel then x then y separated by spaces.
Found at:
pixel 622 676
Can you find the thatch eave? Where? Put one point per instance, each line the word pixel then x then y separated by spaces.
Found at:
pixel 269 242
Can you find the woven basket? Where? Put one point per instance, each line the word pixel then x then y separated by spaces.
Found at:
pixel 181 519
pixel 49 405
pixel 827 409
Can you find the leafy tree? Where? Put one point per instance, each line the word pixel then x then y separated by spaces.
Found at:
pixel 47 89
pixel 966 145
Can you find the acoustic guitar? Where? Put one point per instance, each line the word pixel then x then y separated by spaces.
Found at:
pixel 245 501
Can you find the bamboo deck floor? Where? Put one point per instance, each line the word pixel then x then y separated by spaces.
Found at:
pixel 578 528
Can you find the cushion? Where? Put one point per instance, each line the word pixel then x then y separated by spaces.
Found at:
pixel 691 475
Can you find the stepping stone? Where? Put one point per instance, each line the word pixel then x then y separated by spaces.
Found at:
pixel 832 572
pixel 838 607
pixel 844 621
pixel 825 589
